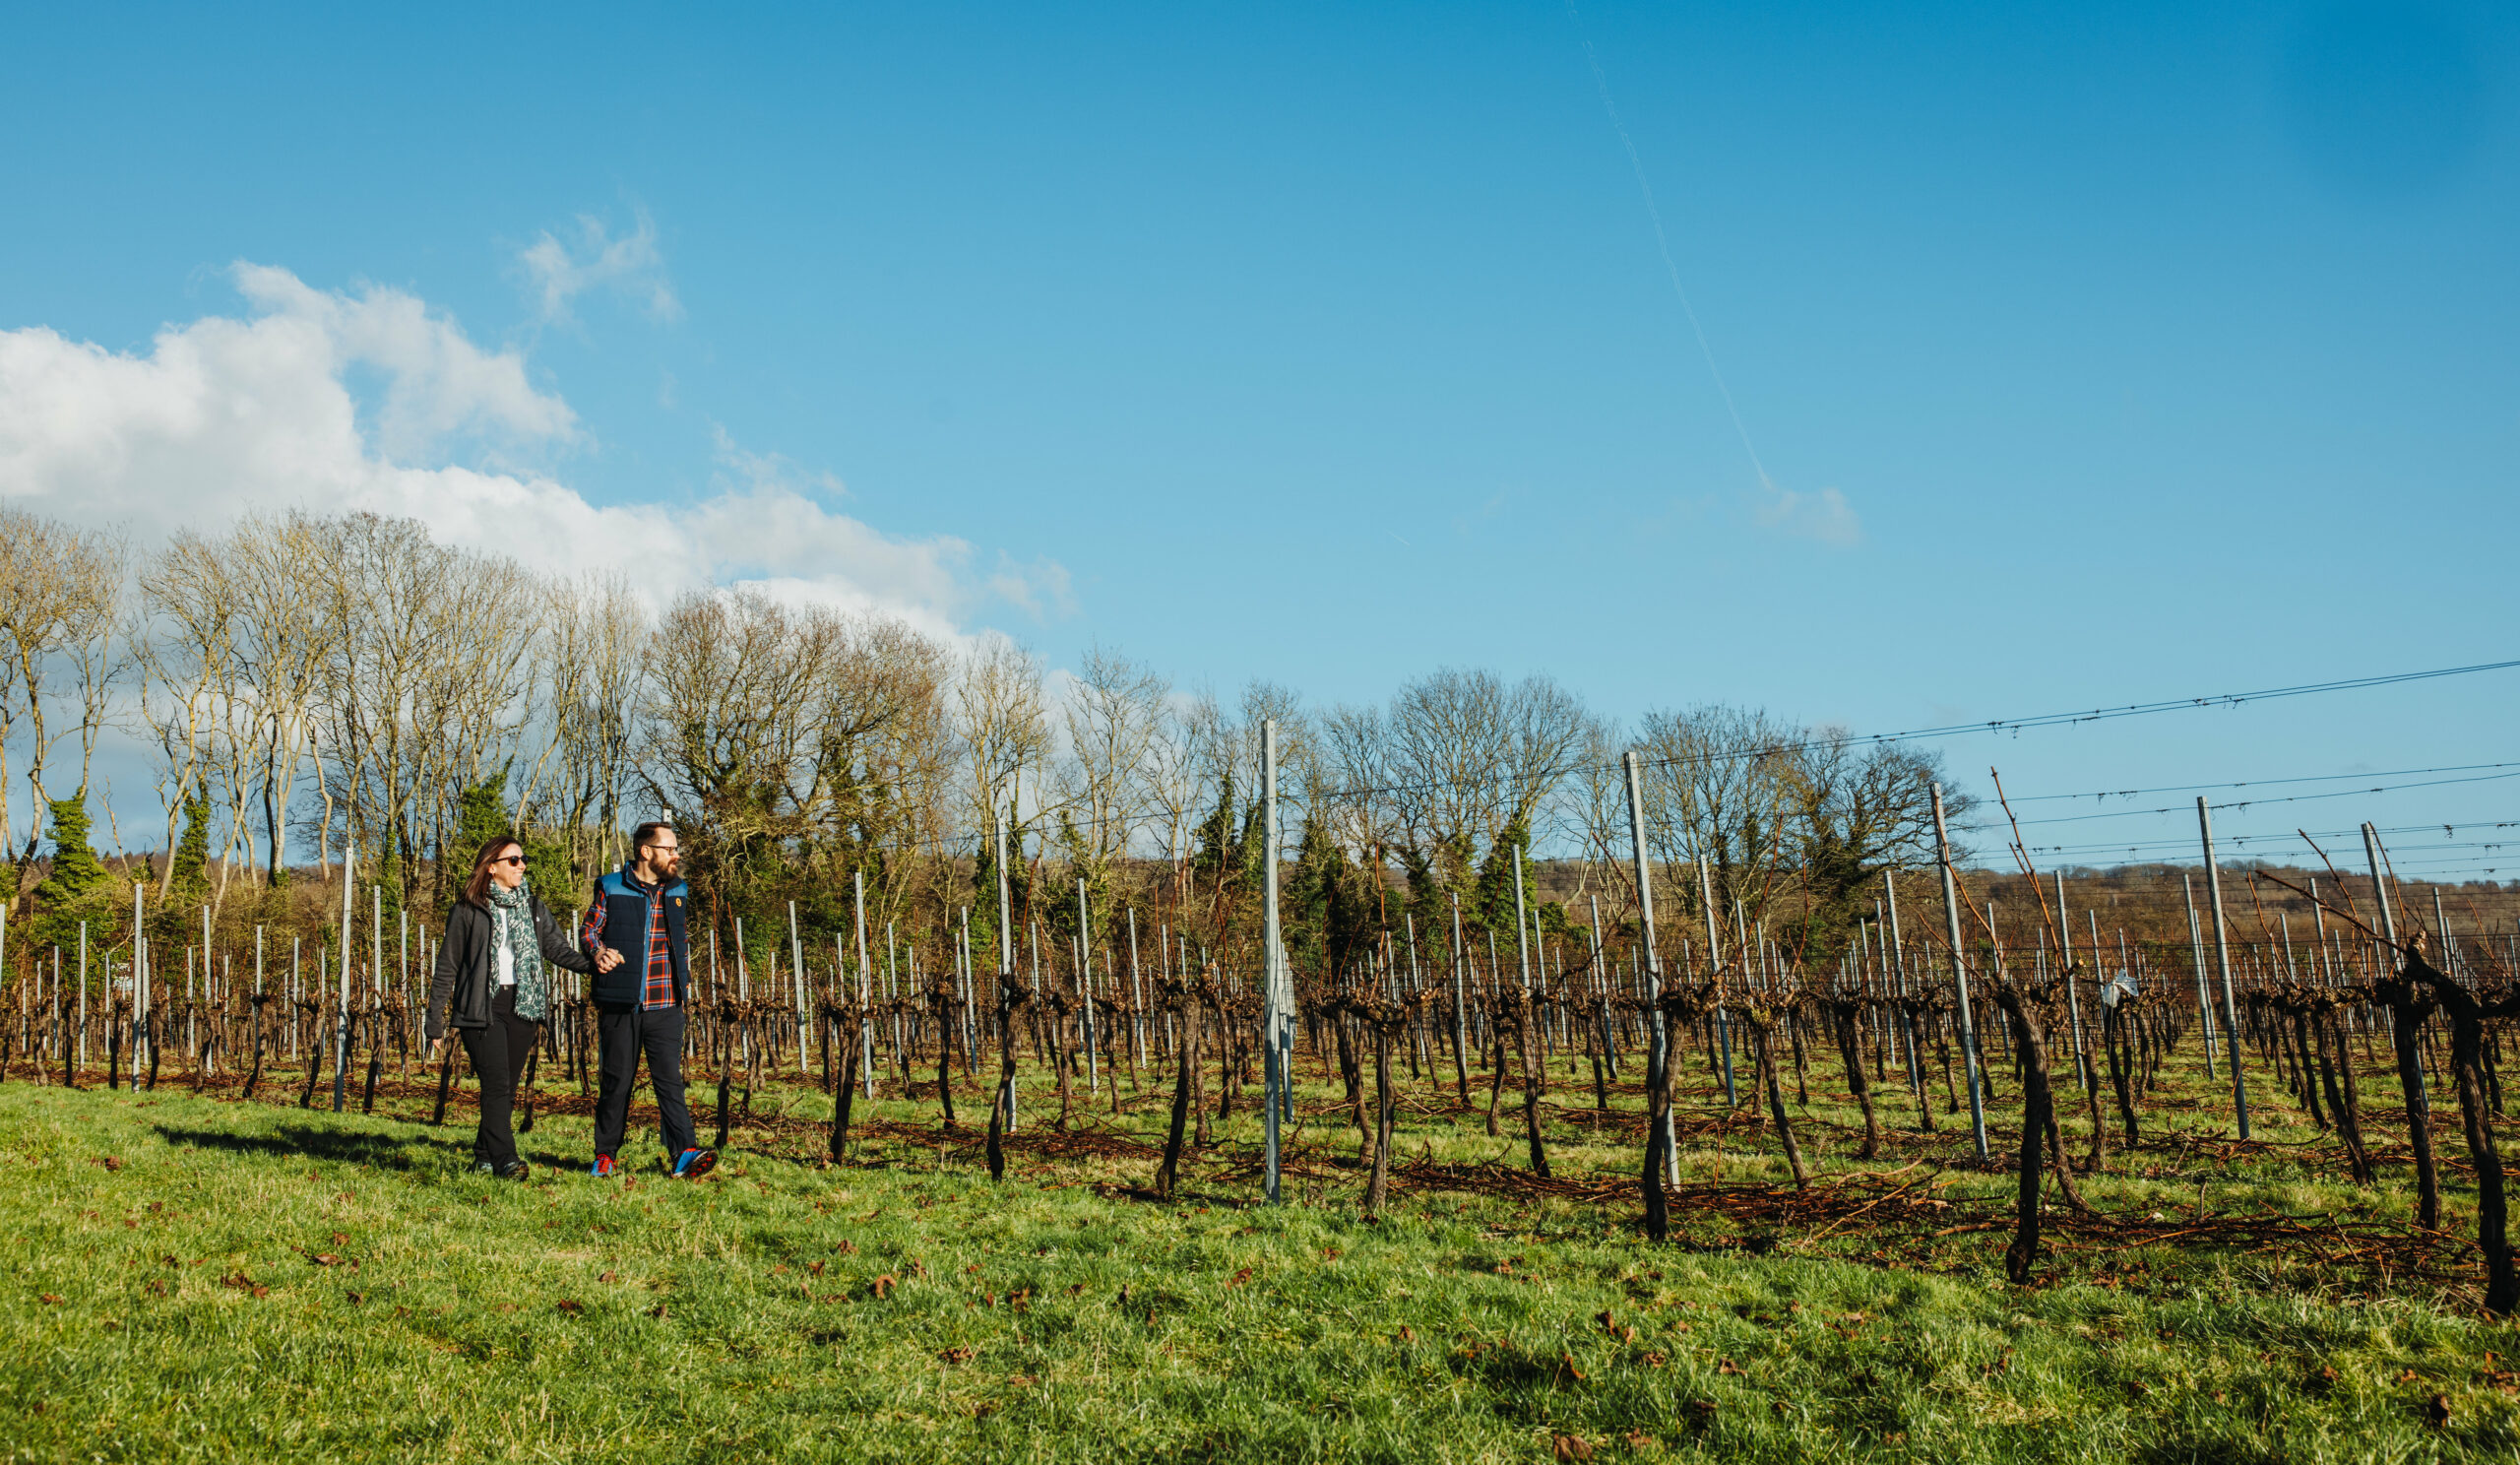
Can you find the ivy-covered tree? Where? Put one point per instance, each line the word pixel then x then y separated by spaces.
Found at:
pixel 79 887
pixel 983 898
pixel 482 813
pixel 187 886
pixel 1330 912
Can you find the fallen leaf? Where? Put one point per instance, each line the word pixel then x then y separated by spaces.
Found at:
pixel 1727 1366
pixel 884 1286
pixel 569 1306
pixel 1241 1277
pixel 326 1258
pixel 2437 1413
pixel 957 1355
pixel 1569 1448
pixel 1407 1335
pixel 49 1297
pixel 616 1277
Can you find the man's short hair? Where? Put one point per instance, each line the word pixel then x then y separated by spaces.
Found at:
pixel 640 836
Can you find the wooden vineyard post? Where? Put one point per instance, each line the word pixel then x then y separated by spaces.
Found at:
pixel 1960 975
pixel 1658 1060
pixel 1277 986
pixel 1907 1017
pixel 342 1021
pixel 2205 1023
pixel 1528 1020
pixel 1461 1008
pixel 865 1021
pixel 2223 966
pixel 2406 1017
pixel 797 982
pixel 1005 971
pixel 2073 996
pixel 1085 987
pixel 1714 970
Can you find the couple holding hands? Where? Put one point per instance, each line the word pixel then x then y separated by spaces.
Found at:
pixel 489 985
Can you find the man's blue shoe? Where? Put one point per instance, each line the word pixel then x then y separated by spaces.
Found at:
pixel 691 1164
pixel 603 1168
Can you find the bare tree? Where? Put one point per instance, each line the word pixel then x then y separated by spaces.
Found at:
pixel 1355 805
pixel 1853 816
pixel 1113 715
pixel 274 571
pixel 60 591
pixel 1719 788
pixel 1174 779
pixel 185 643
pixel 1471 758
pixel 1000 725
pixel 590 664
pixel 771 730
pixel 425 686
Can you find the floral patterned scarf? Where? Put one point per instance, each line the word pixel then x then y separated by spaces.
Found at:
pixel 512 912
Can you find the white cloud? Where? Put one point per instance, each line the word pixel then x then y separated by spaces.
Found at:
pixel 1825 516
pixel 557 273
pixel 221 415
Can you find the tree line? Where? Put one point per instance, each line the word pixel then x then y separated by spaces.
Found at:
pixel 305 687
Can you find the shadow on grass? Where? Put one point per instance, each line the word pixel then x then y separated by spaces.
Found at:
pixel 380 1151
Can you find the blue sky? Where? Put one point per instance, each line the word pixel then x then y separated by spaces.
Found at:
pixel 2093 355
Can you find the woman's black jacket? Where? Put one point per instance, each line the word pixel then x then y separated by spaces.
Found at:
pixel 466 983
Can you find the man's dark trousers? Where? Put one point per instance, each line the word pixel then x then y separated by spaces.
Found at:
pixel 621 1035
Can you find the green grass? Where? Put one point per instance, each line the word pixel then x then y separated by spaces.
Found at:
pixel 192 1278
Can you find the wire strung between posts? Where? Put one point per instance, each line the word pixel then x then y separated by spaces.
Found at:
pixel 1949 729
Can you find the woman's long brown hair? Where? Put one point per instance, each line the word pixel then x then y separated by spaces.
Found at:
pixel 476 890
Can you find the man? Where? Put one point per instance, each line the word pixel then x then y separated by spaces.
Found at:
pixel 643 982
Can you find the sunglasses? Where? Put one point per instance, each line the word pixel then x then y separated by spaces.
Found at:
pixel 509 860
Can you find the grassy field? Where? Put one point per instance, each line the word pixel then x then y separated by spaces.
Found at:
pixel 199 1278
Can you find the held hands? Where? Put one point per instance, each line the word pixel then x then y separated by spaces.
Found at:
pixel 605 958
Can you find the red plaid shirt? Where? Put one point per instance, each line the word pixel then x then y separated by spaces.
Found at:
pixel 658 991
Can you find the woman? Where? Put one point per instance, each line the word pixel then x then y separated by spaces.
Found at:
pixel 490 981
